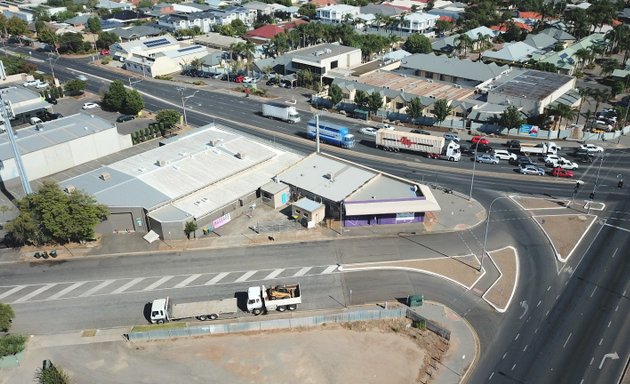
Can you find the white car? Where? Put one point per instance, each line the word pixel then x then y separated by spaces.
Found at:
pixel 560 162
pixel 368 131
pixel 591 148
pixel 32 83
pixel 552 159
pixel 89 105
pixel 504 154
pixel 82 78
pixel 247 79
pixel 384 126
pixel 42 85
pixel 451 137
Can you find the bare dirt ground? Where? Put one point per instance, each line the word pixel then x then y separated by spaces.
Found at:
pixel 565 231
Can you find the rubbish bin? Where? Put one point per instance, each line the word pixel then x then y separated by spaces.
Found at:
pixel 415 300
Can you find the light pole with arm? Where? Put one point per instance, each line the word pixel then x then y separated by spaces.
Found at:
pixel 472 180
pixel 485 238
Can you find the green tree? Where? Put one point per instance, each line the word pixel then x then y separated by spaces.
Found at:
pixel 64 15
pixel 361 99
pixel 335 93
pixel 375 101
pixel 617 88
pixel 239 27
pixel 441 110
pixel 190 227
pixel 443 26
pixel 115 96
pixel 106 39
pixel 16 26
pixel 6 317
pixel 511 118
pixel 417 43
pixel 71 43
pixel 75 87
pixel 134 103
pixel 563 112
pixel 94 24
pixel 168 117
pixel 51 375
pixel 546 67
pixel 308 10
pixel 415 108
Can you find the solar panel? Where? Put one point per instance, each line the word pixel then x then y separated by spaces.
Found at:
pixel 192 47
pixel 563 56
pixel 156 43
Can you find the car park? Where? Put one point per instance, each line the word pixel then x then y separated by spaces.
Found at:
pixel 592 148
pixel 561 172
pixel 530 169
pixel 451 137
pixel 368 131
pixel 123 118
pixel 89 105
pixel 480 140
pixel 504 154
pixel 486 159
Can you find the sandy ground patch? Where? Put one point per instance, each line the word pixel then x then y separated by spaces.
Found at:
pixel 539 202
pixel 502 290
pixel 565 231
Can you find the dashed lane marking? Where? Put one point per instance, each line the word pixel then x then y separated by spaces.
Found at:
pixel 245 276
pixel 127 286
pixel 330 269
pixel 302 272
pixel 273 274
pixel 34 293
pixel 12 291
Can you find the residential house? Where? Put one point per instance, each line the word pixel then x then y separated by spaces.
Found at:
pixel 162 9
pixel 383 9
pixel 449 43
pixel 419 22
pixel 323 3
pixel 452 10
pixel 178 21
pixel 78 21
pixel 110 4
pixel 541 41
pixel 516 52
pixel 139 32
pixel 166 61
pixel 564 37
pixel 465 73
pixel 336 14
pixel 10 9
pixel 265 33
pixel 126 16
pixel 565 60
pixel 217 41
pixel 259 8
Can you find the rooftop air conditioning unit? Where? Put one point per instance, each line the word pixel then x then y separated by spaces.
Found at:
pixel 214 142
pixel 105 176
pixel 162 163
pixel 240 155
pixel 70 189
pixel 330 176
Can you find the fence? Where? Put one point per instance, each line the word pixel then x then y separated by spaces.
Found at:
pixel 251 326
pixel 431 326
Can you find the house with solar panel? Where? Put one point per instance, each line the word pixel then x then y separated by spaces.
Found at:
pixel 157 56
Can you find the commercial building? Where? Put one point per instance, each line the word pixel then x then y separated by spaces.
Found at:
pixel 25 102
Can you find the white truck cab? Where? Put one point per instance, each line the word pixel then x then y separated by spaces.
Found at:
pixel 254 299
pixel 159 312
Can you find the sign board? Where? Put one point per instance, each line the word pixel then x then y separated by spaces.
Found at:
pixel 221 221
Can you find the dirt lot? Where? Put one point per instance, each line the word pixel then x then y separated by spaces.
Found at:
pixel 384 351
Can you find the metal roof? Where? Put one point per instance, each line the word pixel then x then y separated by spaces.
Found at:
pixel 535 85
pixel 307 204
pixel 511 52
pixel 464 69
pixel 53 132
pixel 317 53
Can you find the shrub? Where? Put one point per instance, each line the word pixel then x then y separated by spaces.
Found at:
pixel 106 60
pixel 11 345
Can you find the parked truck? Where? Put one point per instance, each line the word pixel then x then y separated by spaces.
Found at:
pixel 163 310
pixel 539 149
pixel 281 111
pixel 261 299
pixel 427 145
pixel 331 133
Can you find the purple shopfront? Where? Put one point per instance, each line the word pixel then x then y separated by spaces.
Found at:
pixel 381 212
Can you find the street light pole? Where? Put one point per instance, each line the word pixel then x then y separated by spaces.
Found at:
pixel 592 196
pixel 184 99
pixel 485 238
pixel 52 66
pixel 472 180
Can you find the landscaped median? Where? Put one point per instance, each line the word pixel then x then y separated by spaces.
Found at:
pixel 501 292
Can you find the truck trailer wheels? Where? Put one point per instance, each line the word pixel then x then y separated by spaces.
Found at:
pixel 257 311
pixel 282 308
pixel 292 307
pixel 214 316
pixel 202 318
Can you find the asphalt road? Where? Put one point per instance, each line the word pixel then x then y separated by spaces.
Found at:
pixel 536 340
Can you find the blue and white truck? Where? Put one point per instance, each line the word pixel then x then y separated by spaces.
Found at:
pixel 331 133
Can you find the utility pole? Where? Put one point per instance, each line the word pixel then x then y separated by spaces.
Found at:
pixel 184 100
pixel 317 132
pixel 52 57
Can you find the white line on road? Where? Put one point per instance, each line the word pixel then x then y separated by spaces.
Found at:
pixel 217 278
pixel 535 331
pixel 66 290
pixel 616 308
pixel 158 283
pixel 582 381
pixel 490 378
pixel 546 313
pixel 330 269
pixel 525 349
pixel 187 281
pixel 19 288
pixel 538 305
pixel 98 287
pixel 614 253
pixel 610 322
pixel 514 366
pixel 245 276
pixel 548 288
pixel 594 289
pixel 302 271
pixel 273 274
pixel 601 341
pixel 565 343
pixel 34 293
pixel 516 337
pixel 127 286
pixel 592 359
pixel 505 354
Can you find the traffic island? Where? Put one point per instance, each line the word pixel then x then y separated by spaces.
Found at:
pixel 501 292
pixel 564 241
pixel 528 203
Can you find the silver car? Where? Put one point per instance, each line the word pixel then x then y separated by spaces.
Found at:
pixel 529 169
pixel 487 159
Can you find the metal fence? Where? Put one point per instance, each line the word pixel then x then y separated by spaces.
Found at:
pixel 250 326
pixel 431 325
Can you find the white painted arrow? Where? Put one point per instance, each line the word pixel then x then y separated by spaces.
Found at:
pixel 613 356
pixel 525 307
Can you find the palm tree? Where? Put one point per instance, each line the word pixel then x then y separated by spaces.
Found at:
pixel 463 42
pixel 563 111
pixel 608 67
pixel 583 55
pixel 584 93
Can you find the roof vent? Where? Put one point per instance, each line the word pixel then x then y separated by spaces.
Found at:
pixel 330 176
pixel 240 155
pixel 105 176
pixel 70 189
pixel 162 163
pixel 215 142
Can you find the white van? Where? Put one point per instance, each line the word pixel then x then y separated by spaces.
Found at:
pixel 504 154
pixel 35 120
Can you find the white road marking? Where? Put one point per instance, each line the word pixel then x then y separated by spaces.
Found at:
pixel 614 253
pixel 505 354
pixel 610 322
pixel 66 290
pixel 330 269
pixel 34 293
pixel 525 349
pixel 187 281
pixel 127 286
pixel 594 289
pixel 19 288
pixel 490 378
pixel 302 271
pixel 601 341
pixel 548 288
pixel 538 305
pixel 514 366
pixel 245 276
pixel 158 283
pixel 617 308
pixel 273 274
pixel 535 331
pixel 516 337
pixel 98 287
pixel 592 359
pixel 565 343
pixel 217 278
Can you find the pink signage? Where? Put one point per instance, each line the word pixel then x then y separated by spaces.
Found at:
pixel 221 221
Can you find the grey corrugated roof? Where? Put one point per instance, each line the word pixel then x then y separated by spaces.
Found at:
pixel 558 34
pixel 512 52
pixel 136 31
pixel 535 85
pixel 464 69
pixel 489 112
pixel 385 10
pixel 540 40
pixel 54 132
pixel 570 98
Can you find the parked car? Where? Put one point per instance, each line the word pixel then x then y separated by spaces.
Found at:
pixel 421 132
pixel 89 105
pixel 51 100
pixel 217 75
pixel 248 79
pixel 104 52
pixel 480 140
pixel 42 85
pixel 561 172
pixel 239 79
pixel 592 148
pixel 504 154
pixel 384 126
pixel 451 137
pixel 123 118
pixel 513 144
pixel 530 169
pixel 272 81
pixel 368 131
pixel 523 160
pixel 486 159
pixel 35 120
pixel 32 83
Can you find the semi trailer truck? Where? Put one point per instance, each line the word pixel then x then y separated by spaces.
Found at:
pixel 427 145
pixel 281 111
